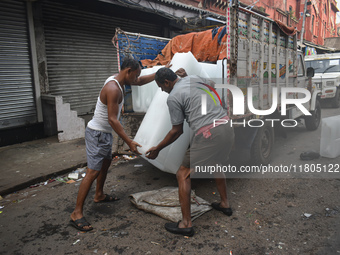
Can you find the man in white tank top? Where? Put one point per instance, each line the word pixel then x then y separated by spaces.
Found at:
pixel 98 136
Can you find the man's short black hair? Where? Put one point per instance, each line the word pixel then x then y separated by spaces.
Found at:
pixel 129 62
pixel 165 74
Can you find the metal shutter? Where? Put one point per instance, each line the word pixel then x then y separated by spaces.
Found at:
pixel 80 54
pixel 17 104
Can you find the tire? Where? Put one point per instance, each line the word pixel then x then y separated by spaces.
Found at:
pixel 335 102
pixel 262 147
pixel 312 122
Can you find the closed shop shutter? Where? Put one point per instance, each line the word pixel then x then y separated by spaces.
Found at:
pixel 17 104
pixel 79 51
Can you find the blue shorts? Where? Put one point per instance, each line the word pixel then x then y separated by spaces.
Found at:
pixel 98 148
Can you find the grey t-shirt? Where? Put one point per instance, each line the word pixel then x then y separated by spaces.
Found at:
pixel 185 102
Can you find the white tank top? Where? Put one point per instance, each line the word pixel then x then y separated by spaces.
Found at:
pixel 100 120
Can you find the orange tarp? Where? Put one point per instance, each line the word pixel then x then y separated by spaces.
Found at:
pixel 203 45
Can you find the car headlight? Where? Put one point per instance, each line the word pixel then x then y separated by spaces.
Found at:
pixel 329 83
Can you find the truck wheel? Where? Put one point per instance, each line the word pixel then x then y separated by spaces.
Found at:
pixel 261 149
pixel 335 102
pixel 312 122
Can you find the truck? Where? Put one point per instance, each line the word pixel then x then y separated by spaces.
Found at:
pixel 261 58
pixel 327 76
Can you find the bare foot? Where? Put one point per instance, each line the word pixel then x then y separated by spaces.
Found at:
pixel 224 204
pixel 185 225
pixel 105 198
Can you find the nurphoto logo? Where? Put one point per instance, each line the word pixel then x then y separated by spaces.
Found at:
pixel 239 105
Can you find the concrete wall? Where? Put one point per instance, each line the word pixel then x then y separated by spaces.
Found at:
pixel 69 125
pixel 333 42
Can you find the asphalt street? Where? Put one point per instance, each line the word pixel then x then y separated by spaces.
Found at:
pixel 295 214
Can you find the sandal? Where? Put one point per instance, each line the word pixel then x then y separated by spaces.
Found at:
pixel 80 224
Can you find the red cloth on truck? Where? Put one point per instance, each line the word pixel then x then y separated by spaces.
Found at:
pixel 287 30
pixel 203 45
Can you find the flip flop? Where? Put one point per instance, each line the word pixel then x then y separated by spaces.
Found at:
pixel 80 224
pixel 226 211
pixel 108 199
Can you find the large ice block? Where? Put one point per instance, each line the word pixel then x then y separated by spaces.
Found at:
pixel 330 137
pixel 156 123
pixel 154 127
pixel 210 69
pixel 187 61
pixel 143 95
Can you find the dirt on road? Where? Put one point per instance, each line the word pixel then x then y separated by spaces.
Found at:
pixel 299 215
pixel 271 216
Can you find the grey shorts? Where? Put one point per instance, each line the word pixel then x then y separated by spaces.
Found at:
pixel 212 150
pixel 98 148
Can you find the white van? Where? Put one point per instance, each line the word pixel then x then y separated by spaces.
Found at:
pixel 327 75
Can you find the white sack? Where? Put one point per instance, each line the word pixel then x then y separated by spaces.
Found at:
pixel 165 203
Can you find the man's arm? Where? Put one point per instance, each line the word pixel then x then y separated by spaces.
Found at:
pixel 172 136
pixel 144 79
pixel 148 78
pixel 113 95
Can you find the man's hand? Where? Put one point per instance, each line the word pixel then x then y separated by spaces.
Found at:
pixel 152 153
pixel 168 65
pixel 181 73
pixel 172 136
pixel 133 147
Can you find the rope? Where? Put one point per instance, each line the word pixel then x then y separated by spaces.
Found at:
pixel 115 39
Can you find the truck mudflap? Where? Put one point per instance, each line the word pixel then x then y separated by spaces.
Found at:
pixel 314 98
pixel 312 122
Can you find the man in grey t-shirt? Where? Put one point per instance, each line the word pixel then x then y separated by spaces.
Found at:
pixel 211 144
